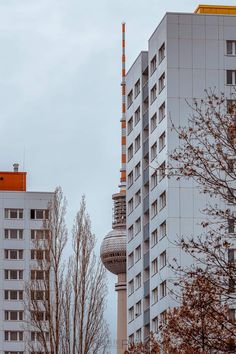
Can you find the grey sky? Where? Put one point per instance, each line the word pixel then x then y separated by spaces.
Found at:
pixel 60 73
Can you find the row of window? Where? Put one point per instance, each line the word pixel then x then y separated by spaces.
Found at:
pixel 35 214
pixel 17 295
pixel 17 336
pixel 134 229
pixel 17 274
pixel 134 94
pixel 134 284
pixel 162 263
pixel 18 234
pixel 161 143
pixel 158 175
pixel 133 120
pixel 161 86
pixel 161 56
pixel 156 236
pixel 134 256
pixel 134 201
pixel 37 254
pixel 133 148
pixel 135 311
pixel 134 175
pixel 162 204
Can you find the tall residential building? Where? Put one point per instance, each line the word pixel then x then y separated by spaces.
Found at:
pixel 187 53
pixel 21 220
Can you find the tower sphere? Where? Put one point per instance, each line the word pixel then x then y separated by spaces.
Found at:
pixel 113 251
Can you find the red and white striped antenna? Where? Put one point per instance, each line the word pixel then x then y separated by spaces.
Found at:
pixel 123 117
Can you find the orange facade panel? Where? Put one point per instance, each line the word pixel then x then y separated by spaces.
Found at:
pixel 216 9
pixel 13 181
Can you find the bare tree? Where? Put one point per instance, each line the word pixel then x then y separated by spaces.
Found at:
pixel 66 298
pixel 89 333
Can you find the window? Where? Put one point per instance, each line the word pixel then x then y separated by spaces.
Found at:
pixel 130 152
pixel 137 253
pixel 231 226
pixel 163 318
pixel 154 180
pixel 137 88
pixel 163 259
pixel 154 209
pixel 138 281
pixel 130 179
pixel 131 314
pixel 38 214
pixel 37 337
pixel 161 53
pixel 155 324
pixel 39 234
pixel 154 295
pixel 131 287
pixel 163 230
pixel 13 294
pixel 131 259
pixel 161 82
pixel 130 206
pixel 154 151
pixel 153 64
pixel 153 122
pixel 163 289
pixel 39 315
pixel 231 47
pixel 162 171
pixel 231 255
pixel 137 198
pixel 131 339
pixel 137 116
pixel 13 213
pixel 130 125
pixel 154 237
pixel 162 141
pixel 232 315
pixel 137 143
pixel 137 226
pixel 154 266
pixel 15 352
pixel 137 170
pixel 13 254
pixel 231 107
pixel 13 274
pixel 162 200
pixel 130 98
pixel 13 336
pixel 40 254
pixel 138 309
pixel 162 111
pixel 139 335
pixel 231 77
pixel 153 93
pixel 13 234
pixel 39 274
pixel 39 295
pixel 130 232
pixel 13 315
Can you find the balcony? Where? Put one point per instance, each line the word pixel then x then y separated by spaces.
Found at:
pixel 146 287
pixel 146 317
pixel 146 232
pixel 145 91
pixel 145 119
pixel 145 176
pixel 146 204
pixel 145 147
pixel 146 260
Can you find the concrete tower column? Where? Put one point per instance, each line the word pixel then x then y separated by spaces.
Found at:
pixel 120 287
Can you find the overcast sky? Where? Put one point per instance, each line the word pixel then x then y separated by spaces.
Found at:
pixel 60 101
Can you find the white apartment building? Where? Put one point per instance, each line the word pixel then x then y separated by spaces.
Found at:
pixel 187 53
pixel 21 221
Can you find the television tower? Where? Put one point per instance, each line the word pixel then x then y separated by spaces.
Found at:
pixel 113 247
